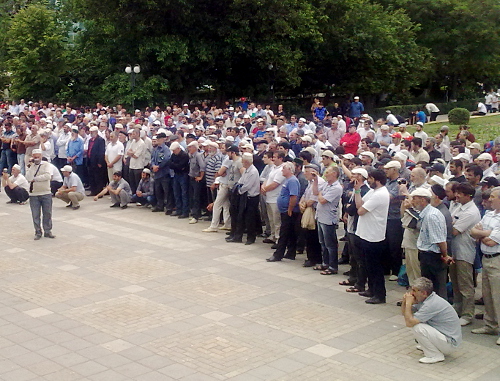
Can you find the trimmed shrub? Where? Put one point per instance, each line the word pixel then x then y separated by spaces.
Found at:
pixel 459 116
pixel 406 110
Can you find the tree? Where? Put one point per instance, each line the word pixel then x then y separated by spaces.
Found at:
pixel 36 53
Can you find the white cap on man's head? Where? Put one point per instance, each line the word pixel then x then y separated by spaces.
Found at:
pixel 363 172
pixel 174 146
pixel 93 129
pixel 36 151
pixel 67 168
pixel 485 156
pixel 393 164
pixel 422 192
pixel 400 156
pixel 368 153
pixel 193 144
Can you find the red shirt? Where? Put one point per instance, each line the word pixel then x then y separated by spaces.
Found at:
pixel 351 142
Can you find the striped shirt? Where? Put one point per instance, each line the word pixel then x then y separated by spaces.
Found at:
pixel 212 166
pixel 432 231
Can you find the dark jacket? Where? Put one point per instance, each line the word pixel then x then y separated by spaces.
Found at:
pixel 97 154
pixel 179 163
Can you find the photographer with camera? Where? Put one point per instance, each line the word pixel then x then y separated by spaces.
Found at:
pixel 38 175
pixel 15 186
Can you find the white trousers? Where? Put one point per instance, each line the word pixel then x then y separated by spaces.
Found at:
pixel 274 220
pixel 221 204
pixel 433 342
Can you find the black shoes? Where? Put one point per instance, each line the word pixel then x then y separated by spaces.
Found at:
pixel 375 300
pixel 273 259
pixel 275 246
pixel 366 294
pixel 69 205
pixel 309 264
pixel 156 210
pixel 37 237
pixel 267 240
pixel 76 207
pixel 182 216
pixel 292 257
pixel 124 207
pixel 117 205
pixel 249 242
pixel 49 235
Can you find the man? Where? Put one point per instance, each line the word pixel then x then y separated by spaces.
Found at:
pixel 350 140
pixel 372 223
pixel 394 230
pixel 161 171
pixel 114 155
pixel 356 108
pixel 96 162
pixel 463 249
pixel 61 142
pixel 8 156
pixel 271 189
pixel 435 323
pixel 145 195
pixel 196 175
pixel 430 144
pixel 327 217
pixel 418 152
pixel 288 207
pixel 234 173
pixel 431 243
pixel 72 190
pixel 213 162
pixel 16 186
pixel 487 233
pixel 334 134
pixel 484 161
pixel 433 111
pixel 38 175
pixel 248 189
pixel 384 137
pixel 119 190
pixel 179 163
pixel 442 148
pixel 457 171
pixel 136 151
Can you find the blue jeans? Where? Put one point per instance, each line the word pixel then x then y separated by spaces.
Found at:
pixel 7 159
pixel 195 189
pixel 39 205
pixel 327 235
pixel 181 193
pixel 20 161
pixel 151 200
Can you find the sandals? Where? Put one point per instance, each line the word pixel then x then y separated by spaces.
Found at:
pixel 346 283
pixel 329 272
pixel 353 290
pixel 320 267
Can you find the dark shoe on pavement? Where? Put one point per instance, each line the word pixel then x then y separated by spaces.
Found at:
pixel 344 238
pixel 309 264
pixel 49 235
pixel 479 302
pixel 343 261
pixel 156 210
pixel 292 257
pixel 275 246
pixel 182 216
pixel 69 205
pixel 117 205
pixel 366 294
pixel 37 237
pixel 175 214
pixel 273 259
pixel 347 273
pixel 375 300
pixel 267 240
pixel 76 207
pixel 249 242
pixel 234 240
pixel 168 212
pixel 124 206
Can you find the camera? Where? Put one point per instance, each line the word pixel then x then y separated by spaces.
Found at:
pixel 5 170
pixel 402 181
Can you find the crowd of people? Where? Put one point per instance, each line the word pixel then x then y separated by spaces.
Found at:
pixel 257 173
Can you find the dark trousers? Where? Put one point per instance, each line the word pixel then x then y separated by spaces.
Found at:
pixel 162 192
pixel 180 185
pixel 41 205
pixel 135 178
pixel 393 238
pixel 287 243
pixel 247 217
pixel 433 268
pixel 357 274
pixel 373 252
pixel 151 200
pixel 54 186
pixel 195 195
pixel 313 248
pixel 17 194
pixel 98 177
pixel 434 116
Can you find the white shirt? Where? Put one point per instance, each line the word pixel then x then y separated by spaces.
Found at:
pixel 481 107
pixel 422 135
pixel 371 226
pixel 431 107
pixel 62 141
pixel 138 147
pixel 56 175
pixel 20 181
pixel 112 151
pixel 392 119
pixel 275 176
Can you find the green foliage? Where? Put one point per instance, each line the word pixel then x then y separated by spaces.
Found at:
pixel 406 110
pixel 36 54
pixel 459 116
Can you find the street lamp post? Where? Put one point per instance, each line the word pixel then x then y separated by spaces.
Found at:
pixel 133 71
pixel 272 80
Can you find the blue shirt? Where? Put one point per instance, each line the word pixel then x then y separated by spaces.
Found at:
pixel 421 117
pixel 320 113
pixel 327 213
pixel 291 187
pixel 160 156
pixel 432 231
pixel 356 109
pixel 75 148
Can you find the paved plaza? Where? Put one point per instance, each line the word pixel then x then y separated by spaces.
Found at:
pixel 135 295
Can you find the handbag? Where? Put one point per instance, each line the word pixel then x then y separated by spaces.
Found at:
pixel 308 221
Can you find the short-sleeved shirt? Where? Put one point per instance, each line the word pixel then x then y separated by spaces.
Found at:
pixel 74 181
pixel 463 246
pixel 113 150
pixel 327 213
pixel 122 184
pixel 395 202
pixel 275 176
pixel 491 221
pixel 234 174
pixel 439 314
pixel 196 164
pixel 20 181
pixel 291 187
pixel 372 225
pixel 432 231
